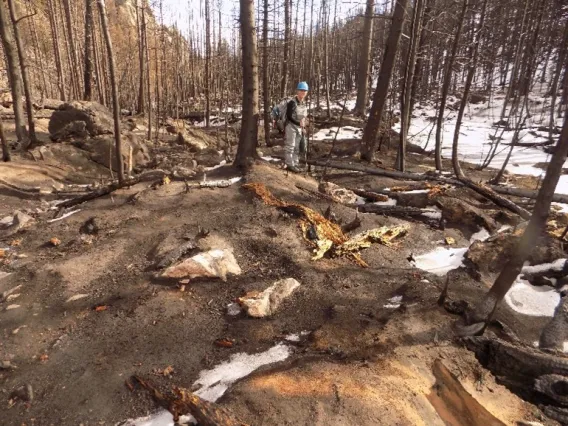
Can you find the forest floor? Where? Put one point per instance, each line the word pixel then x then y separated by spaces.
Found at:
pixel 352 345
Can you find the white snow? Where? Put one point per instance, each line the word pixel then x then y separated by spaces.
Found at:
pixel 557 265
pixel 433 213
pixel 66 215
pixel 270 159
pixel 530 300
pixel 221 164
pixel 296 337
pixel 441 260
pixel 566 347
pixel 389 202
pixel 393 303
pixel 233 309
pixel 215 382
pixel 346 132
pixel 481 235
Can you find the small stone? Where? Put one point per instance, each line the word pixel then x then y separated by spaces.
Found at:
pixel 233 309
pixel 6 365
pixel 11 307
pixel 263 304
pixel 76 297
pixel 12 297
pixel 210 264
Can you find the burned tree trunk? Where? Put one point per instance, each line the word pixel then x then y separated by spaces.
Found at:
pixel 14 76
pixel 381 92
pixel 207 64
pixel 115 104
pixel 265 85
pixel 474 54
pixel 88 74
pixel 248 139
pixel 286 58
pixel 57 51
pixel 365 60
pixel 446 86
pixel 25 77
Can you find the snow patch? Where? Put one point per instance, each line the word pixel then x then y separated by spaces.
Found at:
pixel 393 303
pixel 557 265
pixel 389 202
pixel 215 382
pixel 481 235
pixel 296 337
pixel 530 300
pixel 441 260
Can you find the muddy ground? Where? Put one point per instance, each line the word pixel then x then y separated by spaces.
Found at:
pixel 361 364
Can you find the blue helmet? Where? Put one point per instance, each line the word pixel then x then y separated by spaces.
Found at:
pixel 302 85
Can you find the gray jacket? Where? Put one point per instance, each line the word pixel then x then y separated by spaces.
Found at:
pixel 295 111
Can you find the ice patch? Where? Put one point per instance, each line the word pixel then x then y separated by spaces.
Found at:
pixel 216 381
pixel 441 260
pixel 393 303
pixel 530 300
pixel 270 159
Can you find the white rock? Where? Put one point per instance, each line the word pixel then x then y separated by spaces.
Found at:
pixel 266 303
pixel 76 297
pixel 233 309
pixel 10 307
pixel 210 264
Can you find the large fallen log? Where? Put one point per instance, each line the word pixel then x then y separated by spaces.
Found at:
pixel 399 211
pixel 484 190
pixel 516 192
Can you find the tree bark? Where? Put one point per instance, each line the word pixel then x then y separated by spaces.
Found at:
pixel 14 75
pixel 365 60
pixel 115 104
pixel 381 92
pixel 140 108
pixel 73 51
pixel 207 63
pixel 287 24
pixel 474 55
pixel 265 86
pixel 556 78
pixel 248 139
pixel 88 74
pixel 446 86
pixel 407 84
pixel 537 225
pixel 57 50
pixel 326 56
pixel 25 76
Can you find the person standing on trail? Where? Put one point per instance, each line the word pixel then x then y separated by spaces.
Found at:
pixel 296 113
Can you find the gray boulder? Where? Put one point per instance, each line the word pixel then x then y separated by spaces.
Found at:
pixel 101 150
pixel 97 120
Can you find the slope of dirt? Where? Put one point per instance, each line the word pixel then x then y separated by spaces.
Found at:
pixel 362 364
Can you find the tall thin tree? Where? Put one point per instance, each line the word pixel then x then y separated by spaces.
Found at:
pixel 114 87
pixel 88 74
pixel 365 60
pixel 379 98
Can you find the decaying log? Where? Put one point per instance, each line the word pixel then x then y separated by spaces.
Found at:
pixel 454 404
pixel 368 195
pixel 484 190
pixel 526 193
pixel 552 385
pixel 399 211
pixel 181 401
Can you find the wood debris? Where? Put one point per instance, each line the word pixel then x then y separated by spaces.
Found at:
pixel 325 236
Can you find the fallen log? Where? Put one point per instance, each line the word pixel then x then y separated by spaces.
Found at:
pixel 486 191
pixel 368 195
pixel 400 211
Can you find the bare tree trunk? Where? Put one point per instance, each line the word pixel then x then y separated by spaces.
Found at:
pixel 5 147
pixel 286 58
pixel 73 51
pixel 57 51
pixel 25 77
pixel 326 55
pixel 115 104
pixel 248 139
pixel 148 81
pixel 474 55
pixel 557 72
pixel 365 60
pixel 140 31
pixel 536 227
pixel 265 88
pixel 407 84
pixel 373 125
pixel 14 75
pixel 207 62
pixel 446 86
pixel 88 74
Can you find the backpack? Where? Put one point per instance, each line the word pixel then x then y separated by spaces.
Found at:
pixel 279 113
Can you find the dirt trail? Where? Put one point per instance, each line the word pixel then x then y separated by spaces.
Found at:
pixel 363 363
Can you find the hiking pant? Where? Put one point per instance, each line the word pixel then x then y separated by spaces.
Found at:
pixel 292 144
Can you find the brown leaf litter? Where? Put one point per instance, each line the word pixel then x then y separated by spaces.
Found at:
pixel 325 236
